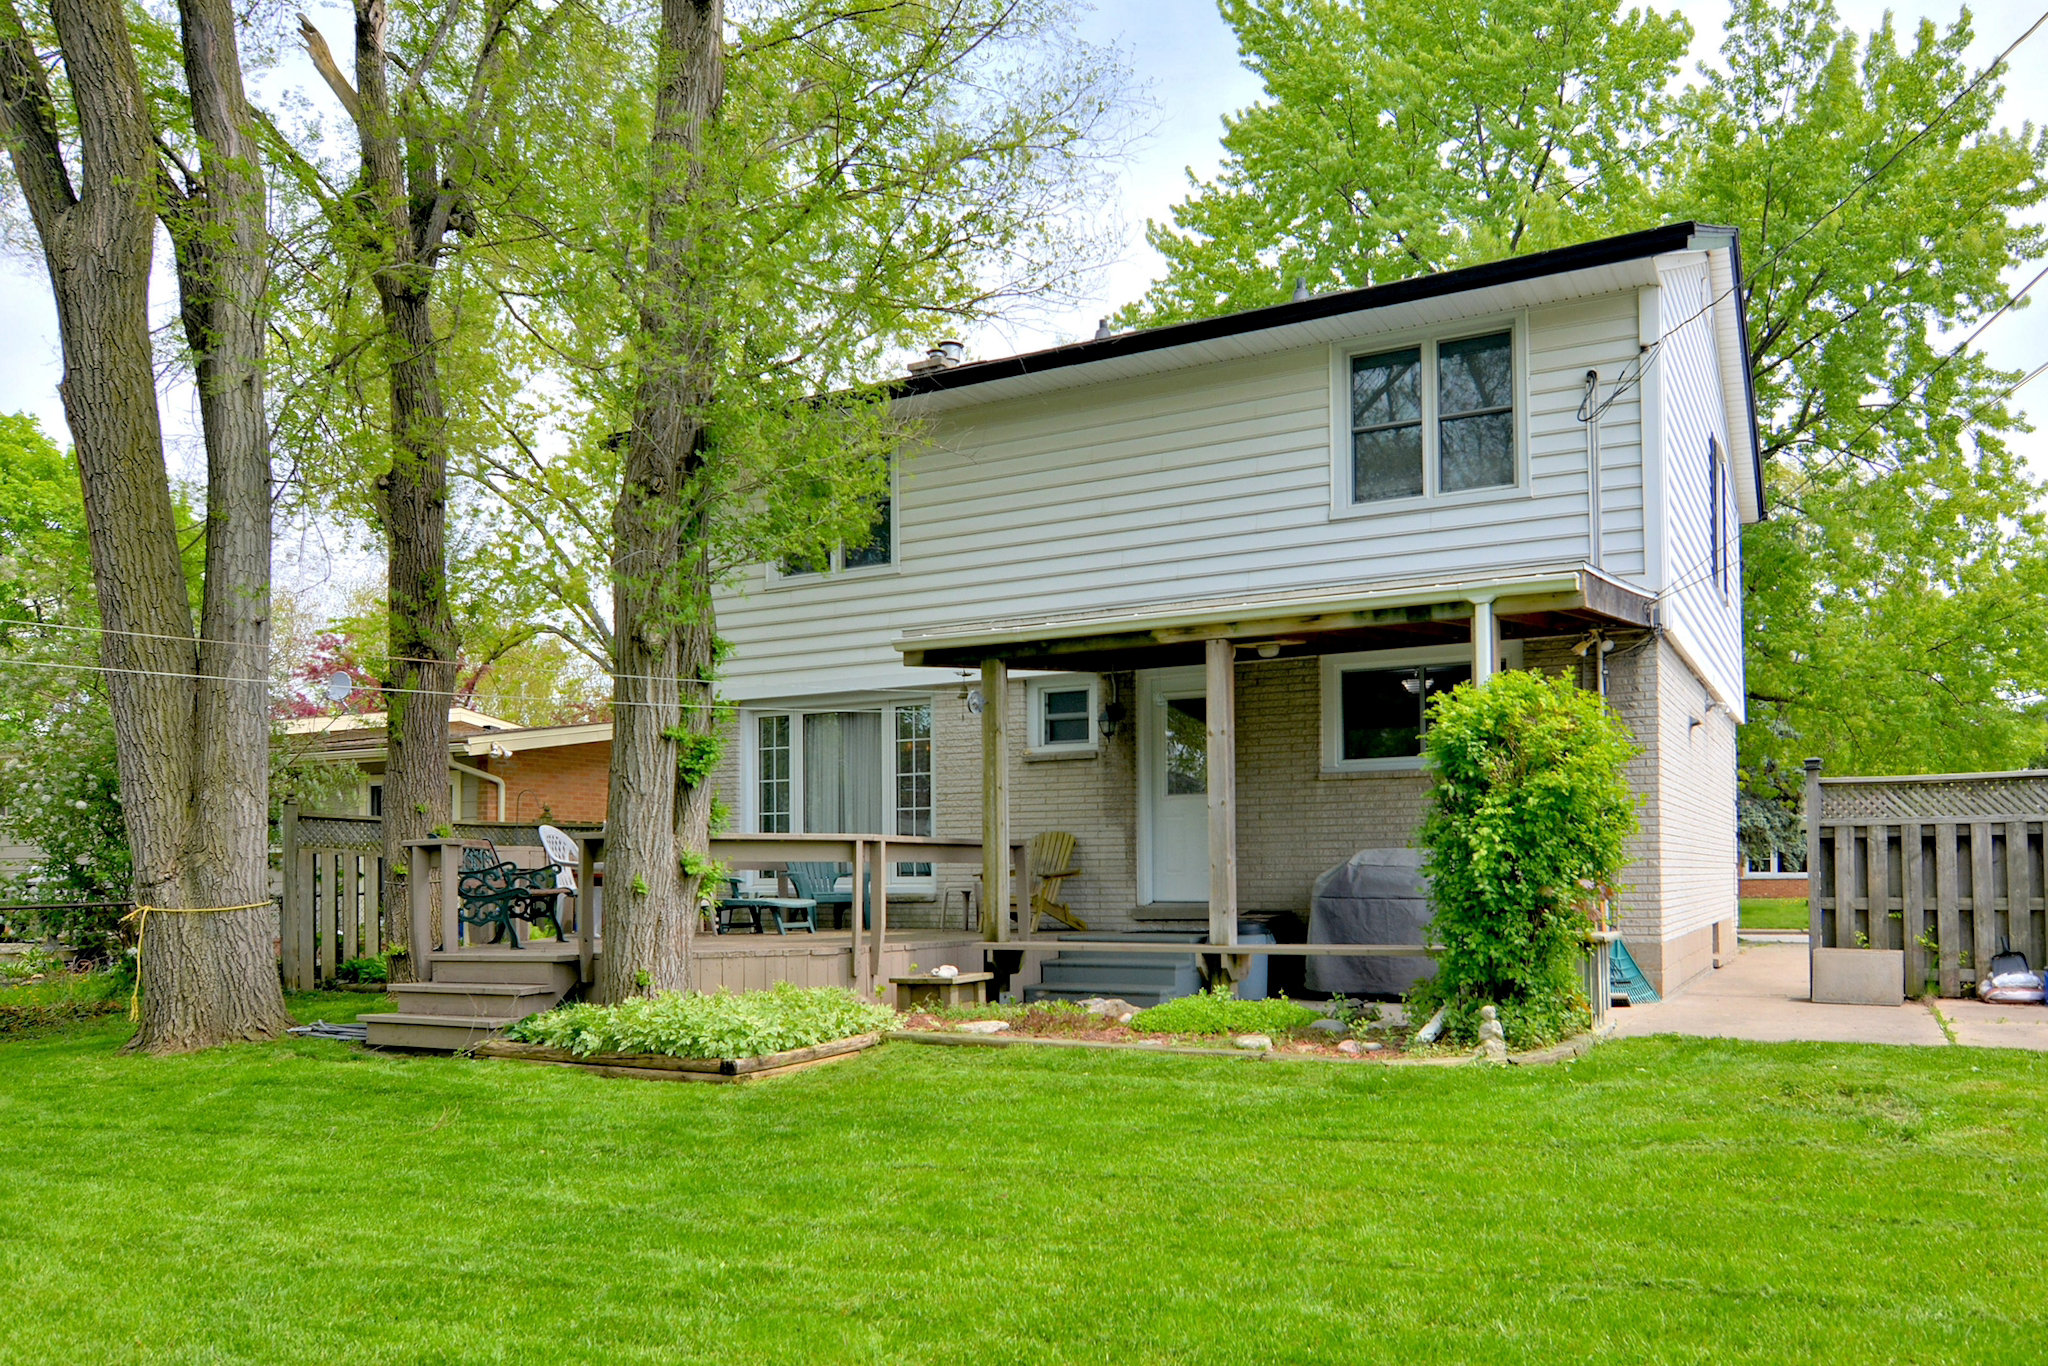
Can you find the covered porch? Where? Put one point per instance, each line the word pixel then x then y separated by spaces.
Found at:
pixel 1209 751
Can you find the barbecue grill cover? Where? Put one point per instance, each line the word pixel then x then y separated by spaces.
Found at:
pixel 1378 897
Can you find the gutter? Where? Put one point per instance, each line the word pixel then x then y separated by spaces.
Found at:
pixel 488 777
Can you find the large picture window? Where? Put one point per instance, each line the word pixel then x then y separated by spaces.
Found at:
pixel 1431 419
pixel 844 771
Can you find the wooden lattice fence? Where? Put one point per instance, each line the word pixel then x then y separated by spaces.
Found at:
pixel 1946 867
pixel 332 907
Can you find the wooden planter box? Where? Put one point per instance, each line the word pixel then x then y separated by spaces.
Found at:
pixel 661 1067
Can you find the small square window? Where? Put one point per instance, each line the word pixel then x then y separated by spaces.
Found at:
pixel 1062 714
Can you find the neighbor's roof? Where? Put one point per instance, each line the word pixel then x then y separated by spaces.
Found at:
pixel 458 717
pixel 1605 264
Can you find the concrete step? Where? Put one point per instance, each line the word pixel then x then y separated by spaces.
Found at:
pixel 1062 973
pixel 441 1033
pixel 494 1000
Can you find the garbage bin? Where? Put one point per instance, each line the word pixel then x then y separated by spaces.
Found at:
pixel 1252 986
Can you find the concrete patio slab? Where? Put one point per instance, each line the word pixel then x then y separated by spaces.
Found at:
pixel 1985 1025
pixel 1763 995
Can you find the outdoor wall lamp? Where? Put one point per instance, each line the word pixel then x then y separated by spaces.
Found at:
pixel 1111 716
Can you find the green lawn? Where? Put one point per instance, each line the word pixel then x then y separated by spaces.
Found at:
pixel 1656 1201
pixel 1774 913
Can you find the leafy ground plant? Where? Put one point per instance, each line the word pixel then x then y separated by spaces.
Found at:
pixel 679 1024
pixel 59 999
pixel 1218 1012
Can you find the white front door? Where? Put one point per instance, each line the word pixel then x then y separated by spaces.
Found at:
pixel 1173 792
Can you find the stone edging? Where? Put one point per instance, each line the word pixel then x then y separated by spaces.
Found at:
pixel 1574 1047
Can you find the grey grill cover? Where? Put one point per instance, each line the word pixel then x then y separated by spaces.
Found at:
pixel 1379 897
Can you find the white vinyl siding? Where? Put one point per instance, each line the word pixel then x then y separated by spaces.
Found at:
pixel 1186 484
pixel 1704 617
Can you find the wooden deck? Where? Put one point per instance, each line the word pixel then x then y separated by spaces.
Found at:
pixel 748 962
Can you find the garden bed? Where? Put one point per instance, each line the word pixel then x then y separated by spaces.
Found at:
pixel 661 1067
pixel 1201 1025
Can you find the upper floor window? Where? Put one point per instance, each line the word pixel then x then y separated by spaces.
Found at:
pixel 1433 418
pixel 880 548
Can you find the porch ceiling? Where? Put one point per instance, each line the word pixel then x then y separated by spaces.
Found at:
pixel 1309 622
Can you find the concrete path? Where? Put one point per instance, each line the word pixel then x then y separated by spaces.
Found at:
pixel 1762 995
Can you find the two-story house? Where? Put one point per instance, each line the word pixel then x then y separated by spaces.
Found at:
pixel 1208 576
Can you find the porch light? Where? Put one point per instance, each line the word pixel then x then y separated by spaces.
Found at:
pixel 1110 717
pixel 1413 683
pixel 975 702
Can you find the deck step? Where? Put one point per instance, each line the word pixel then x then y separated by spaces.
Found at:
pixel 509 968
pixel 442 1033
pixel 497 1000
pixel 1143 979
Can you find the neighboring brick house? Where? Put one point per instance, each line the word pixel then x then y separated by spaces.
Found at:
pixel 497 771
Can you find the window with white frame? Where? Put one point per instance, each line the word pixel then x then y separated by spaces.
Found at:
pixel 844 771
pixel 1433 418
pixel 1788 861
pixel 1376 705
pixel 1062 715
pixel 879 549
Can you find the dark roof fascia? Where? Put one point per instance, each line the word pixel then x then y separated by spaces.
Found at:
pixel 1606 251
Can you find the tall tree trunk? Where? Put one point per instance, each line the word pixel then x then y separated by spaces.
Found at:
pixel 215 976
pixel 413 494
pixel 661 600
pixel 190 751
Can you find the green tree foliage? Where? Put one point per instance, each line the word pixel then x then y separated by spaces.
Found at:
pixel 1525 834
pixel 1897 618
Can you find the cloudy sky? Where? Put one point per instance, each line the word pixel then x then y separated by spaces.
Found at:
pixel 1187 59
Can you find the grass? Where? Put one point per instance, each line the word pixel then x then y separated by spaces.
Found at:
pixel 1659 1200
pixel 1774 913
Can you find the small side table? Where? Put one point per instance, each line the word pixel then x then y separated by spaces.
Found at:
pixel 924 989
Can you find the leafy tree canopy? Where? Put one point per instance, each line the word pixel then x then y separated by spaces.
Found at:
pixel 1896 613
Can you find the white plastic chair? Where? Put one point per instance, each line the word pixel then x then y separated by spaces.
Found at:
pixel 563 853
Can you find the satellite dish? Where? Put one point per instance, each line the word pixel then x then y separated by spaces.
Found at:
pixel 339 686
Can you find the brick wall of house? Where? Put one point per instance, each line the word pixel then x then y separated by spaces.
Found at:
pixel 568 782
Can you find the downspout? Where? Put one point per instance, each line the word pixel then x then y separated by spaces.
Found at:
pixel 487 777
pixel 1589 413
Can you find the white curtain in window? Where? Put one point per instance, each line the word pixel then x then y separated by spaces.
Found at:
pixel 843 785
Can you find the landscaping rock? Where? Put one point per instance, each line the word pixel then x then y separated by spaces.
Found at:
pixel 985 1027
pixel 1253 1043
pixel 1374 1047
pixel 1351 1048
pixel 1127 1017
pixel 1330 1027
pixel 1107 1005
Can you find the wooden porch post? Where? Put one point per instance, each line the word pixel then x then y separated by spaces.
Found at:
pixel 1222 710
pixel 995 800
pixel 1485 640
pixel 856 916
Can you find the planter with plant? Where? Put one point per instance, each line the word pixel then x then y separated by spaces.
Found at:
pixel 1525 835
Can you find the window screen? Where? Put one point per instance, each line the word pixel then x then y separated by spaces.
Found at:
pixel 1386 426
pixel 1064 716
pixel 1475 413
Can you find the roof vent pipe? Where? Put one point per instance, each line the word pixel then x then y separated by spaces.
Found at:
pixel 1102 329
pixel 1301 289
pixel 950 350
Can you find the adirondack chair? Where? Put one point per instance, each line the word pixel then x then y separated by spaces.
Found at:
pixel 798 912
pixel 819 882
pixel 1048 862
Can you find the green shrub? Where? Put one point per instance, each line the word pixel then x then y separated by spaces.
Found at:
pixel 1218 1012
pixel 688 1025
pixel 1524 837
pixel 373 969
